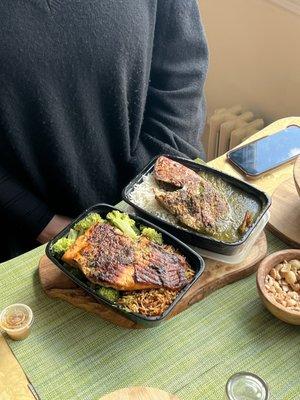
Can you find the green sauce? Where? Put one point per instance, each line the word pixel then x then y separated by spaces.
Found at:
pixel 239 202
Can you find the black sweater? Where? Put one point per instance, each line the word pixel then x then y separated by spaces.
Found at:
pixel 90 90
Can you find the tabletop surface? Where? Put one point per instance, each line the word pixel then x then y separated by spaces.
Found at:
pixel 250 330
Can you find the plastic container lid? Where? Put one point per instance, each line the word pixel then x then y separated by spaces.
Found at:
pixel 243 253
pixel 246 386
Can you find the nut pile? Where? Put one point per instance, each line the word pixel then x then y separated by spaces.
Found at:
pixel 283 284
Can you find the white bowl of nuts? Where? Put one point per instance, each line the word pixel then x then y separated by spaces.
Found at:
pixel 278 284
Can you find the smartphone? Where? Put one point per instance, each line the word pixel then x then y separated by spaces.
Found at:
pixel 262 155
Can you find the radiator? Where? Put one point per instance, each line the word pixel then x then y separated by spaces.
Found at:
pixel 227 128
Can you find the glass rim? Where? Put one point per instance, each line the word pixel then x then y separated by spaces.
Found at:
pixel 245 373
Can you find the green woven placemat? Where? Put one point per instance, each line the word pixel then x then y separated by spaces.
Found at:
pixel 73 355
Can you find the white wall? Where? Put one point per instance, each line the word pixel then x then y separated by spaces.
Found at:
pixel 254 56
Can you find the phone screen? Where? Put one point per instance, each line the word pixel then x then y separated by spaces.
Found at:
pixel 269 152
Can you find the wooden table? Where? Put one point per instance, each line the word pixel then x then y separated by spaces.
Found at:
pixel 13 382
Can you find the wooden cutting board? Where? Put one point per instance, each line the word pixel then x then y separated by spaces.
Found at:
pixel 216 275
pixel 285 213
pixel 139 393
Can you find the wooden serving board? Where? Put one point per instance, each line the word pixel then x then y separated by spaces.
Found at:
pixel 216 275
pixel 139 393
pixel 285 213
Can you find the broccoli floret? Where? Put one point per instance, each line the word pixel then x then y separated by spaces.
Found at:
pixel 152 234
pixel 72 235
pixel 108 293
pixel 87 222
pixel 124 223
pixel 61 246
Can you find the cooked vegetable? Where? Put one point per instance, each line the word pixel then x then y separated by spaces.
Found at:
pixel 61 246
pixel 72 235
pixel 108 293
pixel 152 234
pixel 87 222
pixel 124 223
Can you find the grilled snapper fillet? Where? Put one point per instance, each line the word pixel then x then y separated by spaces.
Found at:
pixel 109 258
pixel 200 210
pixel 197 203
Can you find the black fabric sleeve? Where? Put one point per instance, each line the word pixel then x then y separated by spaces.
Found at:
pixel 20 208
pixel 175 110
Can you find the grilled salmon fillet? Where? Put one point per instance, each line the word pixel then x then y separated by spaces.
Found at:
pixel 197 204
pixel 109 258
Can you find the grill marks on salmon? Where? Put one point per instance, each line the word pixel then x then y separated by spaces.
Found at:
pixel 109 258
pixel 160 265
pixel 197 204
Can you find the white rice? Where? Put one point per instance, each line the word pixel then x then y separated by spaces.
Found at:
pixel 143 196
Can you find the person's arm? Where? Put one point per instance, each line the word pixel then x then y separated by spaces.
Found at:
pixel 24 211
pixel 175 108
pixel 55 225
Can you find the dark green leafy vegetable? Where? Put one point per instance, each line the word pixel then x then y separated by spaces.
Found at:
pixel 124 223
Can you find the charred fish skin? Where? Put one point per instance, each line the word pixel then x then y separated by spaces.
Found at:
pixel 109 258
pixel 169 171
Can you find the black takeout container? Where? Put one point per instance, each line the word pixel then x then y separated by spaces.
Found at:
pixel 196 262
pixel 188 235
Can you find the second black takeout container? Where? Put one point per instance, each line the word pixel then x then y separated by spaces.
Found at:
pixel 196 262
pixel 188 235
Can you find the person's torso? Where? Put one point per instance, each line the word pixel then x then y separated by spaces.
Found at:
pixel 73 84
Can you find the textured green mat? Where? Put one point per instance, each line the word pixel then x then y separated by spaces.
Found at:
pixel 74 355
